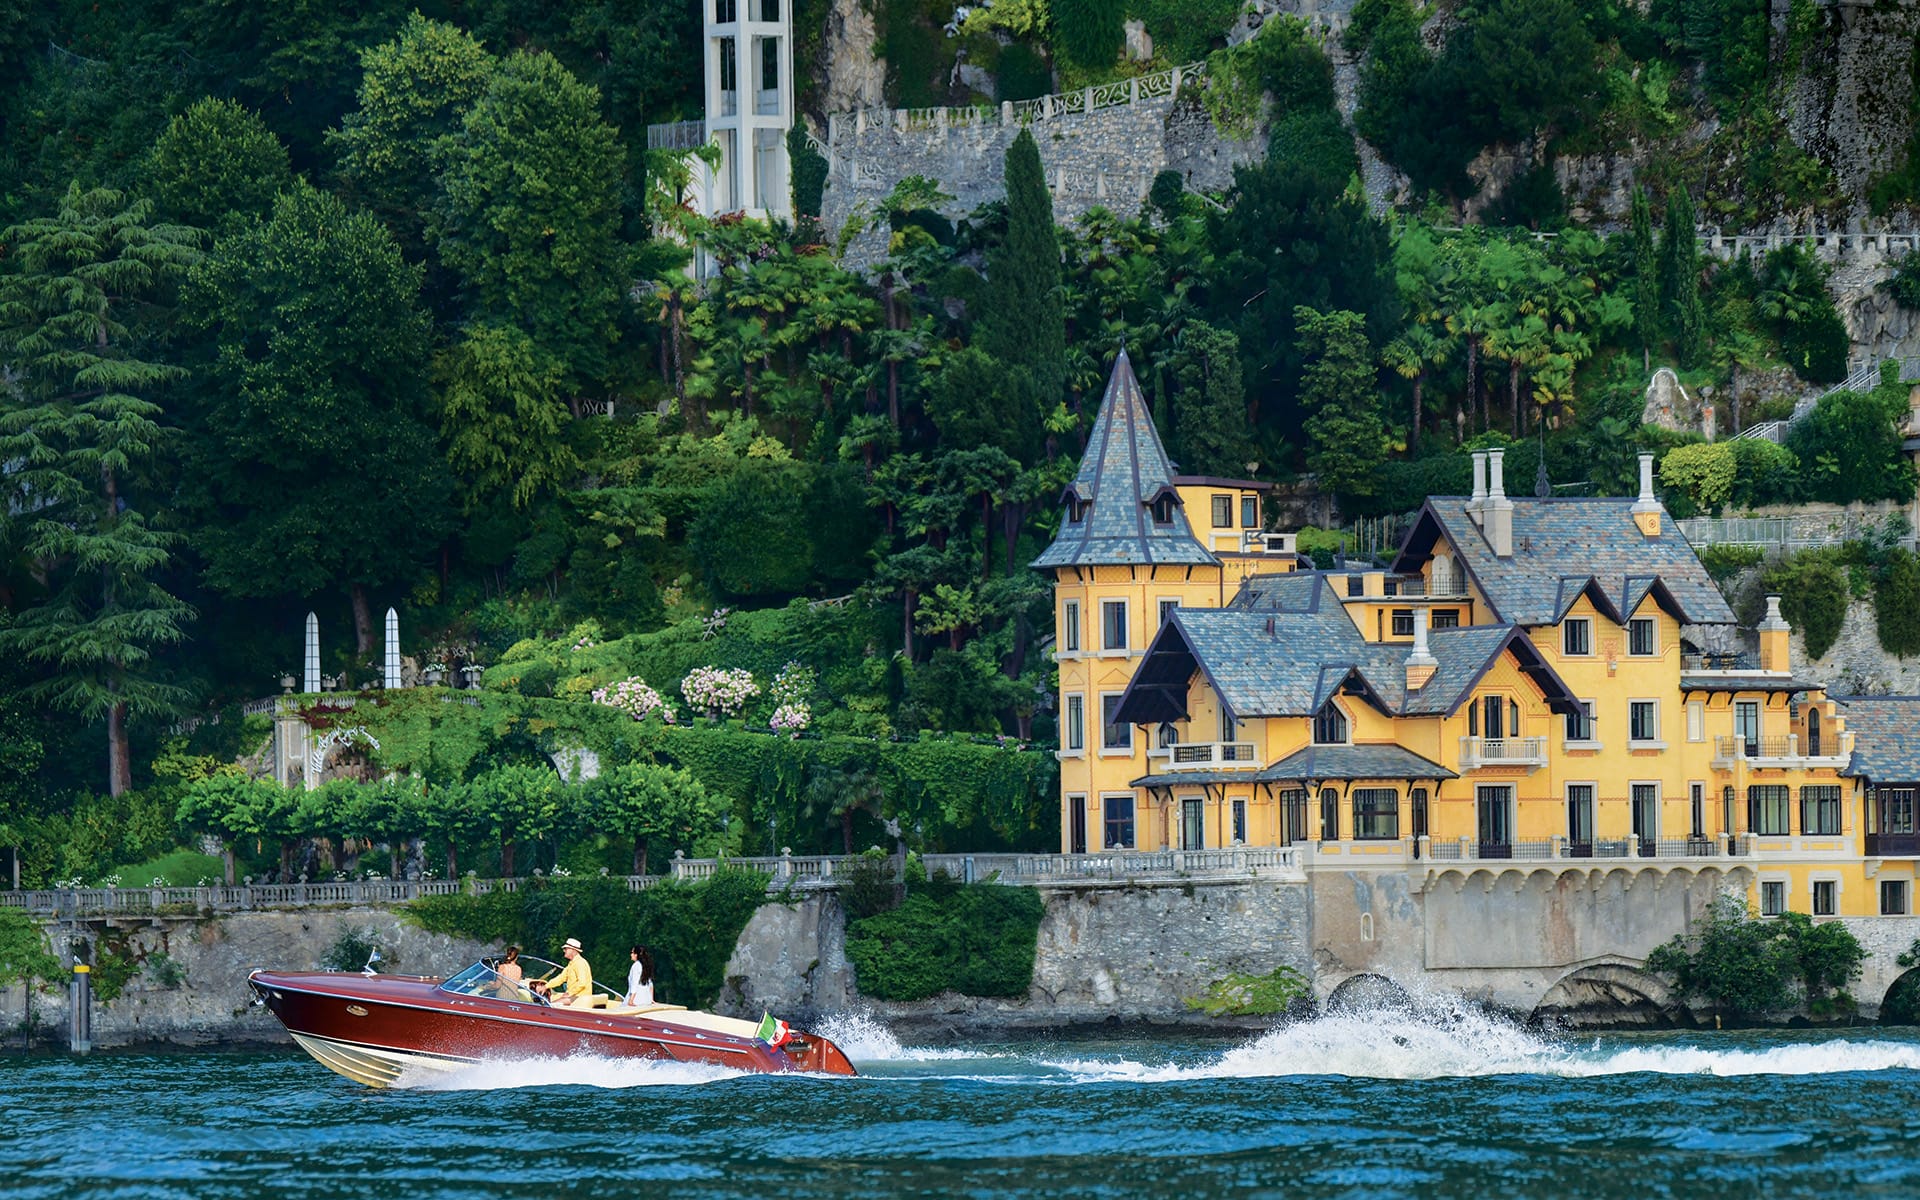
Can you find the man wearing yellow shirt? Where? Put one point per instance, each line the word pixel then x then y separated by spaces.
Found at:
pixel 575 979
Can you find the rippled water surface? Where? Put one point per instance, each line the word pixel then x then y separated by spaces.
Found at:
pixel 1376 1105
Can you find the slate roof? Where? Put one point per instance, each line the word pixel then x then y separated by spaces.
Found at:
pixel 1561 546
pixel 1756 682
pixel 1353 762
pixel 1284 645
pixel 1886 737
pixel 1124 469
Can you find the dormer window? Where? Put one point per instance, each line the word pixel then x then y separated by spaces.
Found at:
pixel 1162 507
pixel 1076 510
pixel 1330 725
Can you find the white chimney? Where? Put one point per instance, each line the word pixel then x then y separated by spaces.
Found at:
pixel 1646 508
pixel 1421 664
pixel 1497 519
pixel 1478 500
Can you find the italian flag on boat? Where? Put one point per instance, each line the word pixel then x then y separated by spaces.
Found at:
pixel 773 1031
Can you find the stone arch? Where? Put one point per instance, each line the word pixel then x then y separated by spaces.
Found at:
pixel 1611 993
pixel 341 753
pixel 1367 992
pixel 1901 1004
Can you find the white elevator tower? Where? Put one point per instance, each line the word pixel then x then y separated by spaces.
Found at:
pixel 749 76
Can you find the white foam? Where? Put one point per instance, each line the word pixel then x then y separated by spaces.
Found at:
pixel 862 1037
pixel 581 1070
pixel 1436 1040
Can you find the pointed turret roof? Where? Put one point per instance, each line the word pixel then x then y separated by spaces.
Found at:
pixel 1123 472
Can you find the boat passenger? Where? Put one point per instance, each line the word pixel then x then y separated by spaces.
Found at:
pixel 511 974
pixel 575 979
pixel 640 978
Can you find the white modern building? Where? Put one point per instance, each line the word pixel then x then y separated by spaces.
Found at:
pixel 749 108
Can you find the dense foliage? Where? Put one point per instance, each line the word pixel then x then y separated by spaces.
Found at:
pixel 1748 966
pixel 975 939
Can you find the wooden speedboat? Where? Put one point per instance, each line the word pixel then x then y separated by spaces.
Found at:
pixel 374 1029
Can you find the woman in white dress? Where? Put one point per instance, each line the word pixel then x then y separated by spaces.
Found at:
pixel 640 978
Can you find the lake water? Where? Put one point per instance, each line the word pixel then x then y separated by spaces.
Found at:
pixel 1372 1105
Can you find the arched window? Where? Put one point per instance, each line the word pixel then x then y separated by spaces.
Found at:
pixel 1330 725
pixel 1163 509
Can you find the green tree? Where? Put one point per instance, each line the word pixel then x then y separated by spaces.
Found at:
pixel 1347 437
pixel 217 165
pixel 312 449
pixel 1022 323
pixel 1896 603
pixel 529 213
pixel 652 803
pixel 1680 279
pixel 1643 253
pixel 502 416
pixel 521 802
pixel 22 791
pixel 414 90
pixel 231 806
pixel 1089 31
pixel 1730 959
pixel 25 957
pixel 1849 446
pixel 80 430
pixel 1210 406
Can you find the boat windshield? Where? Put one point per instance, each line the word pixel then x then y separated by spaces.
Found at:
pixel 481 979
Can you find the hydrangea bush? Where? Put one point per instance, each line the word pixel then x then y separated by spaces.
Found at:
pixel 633 697
pixel 791 691
pixel 719 691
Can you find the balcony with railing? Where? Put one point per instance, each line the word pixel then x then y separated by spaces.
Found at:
pixel 1783 751
pixel 1206 756
pixel 1478 752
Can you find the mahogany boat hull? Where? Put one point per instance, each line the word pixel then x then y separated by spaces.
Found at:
pixel 380 1030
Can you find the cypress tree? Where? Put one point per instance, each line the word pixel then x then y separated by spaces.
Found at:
pixel 1025 326
pixel 1680 279
pixel 1896 603
pixel 1646 277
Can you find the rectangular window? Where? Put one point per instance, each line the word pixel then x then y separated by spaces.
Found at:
pixel 1113 624
pixel 1580 724
pixel 1076 824
pixel 1293 816
pixel 1356 585
pixel 1746 725
pixel 1119 830
pixel 1696 721
pixel 1446 618
pixel 1820 808
pixel 1643 805
pixel 1376 813
pixel 769 64
pixel 1229 728
pixel 1643 720
pixel 1580 817
pixel 728 80
pixel 1576 636
pixel 1494 717
pixel 1070 627
pixel 1250 512
pixel 1114 735
pixel 1223 512
pixel 1403 622
pixel 1640 637
pixel 1893 897
pixel 1329 815
pixel 1773 897
pixel 1697 805
pixel 1166 610
pixel 1824 894
pixel 1767 809
pixel 1894 812
pixel 1076 730
pixel 725 12
pixel 1240 821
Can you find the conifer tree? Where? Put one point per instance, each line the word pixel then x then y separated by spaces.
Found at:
pixel 1210 415
pixel 1346 433
pixel 77 429
pixel 1680 280
pixel 1646 277
pixel 1024 324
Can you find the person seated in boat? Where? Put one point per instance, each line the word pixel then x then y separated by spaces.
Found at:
pixel 575 979
pixel 510 976
pixel 640 979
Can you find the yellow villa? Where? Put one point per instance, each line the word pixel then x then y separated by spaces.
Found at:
pixel 1521 684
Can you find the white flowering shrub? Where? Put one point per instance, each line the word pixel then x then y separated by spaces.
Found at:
pixel 633 697
pixel 719 690
pixel 791 718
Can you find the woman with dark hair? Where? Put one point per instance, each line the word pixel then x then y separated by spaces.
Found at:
pixel 640 978
pixel 510 977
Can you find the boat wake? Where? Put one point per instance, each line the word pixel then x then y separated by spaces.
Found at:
pixel 865 1040
pixel 580 1070
pixel 1440 1040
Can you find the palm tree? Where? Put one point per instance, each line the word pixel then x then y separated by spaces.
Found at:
pixel 1416 351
